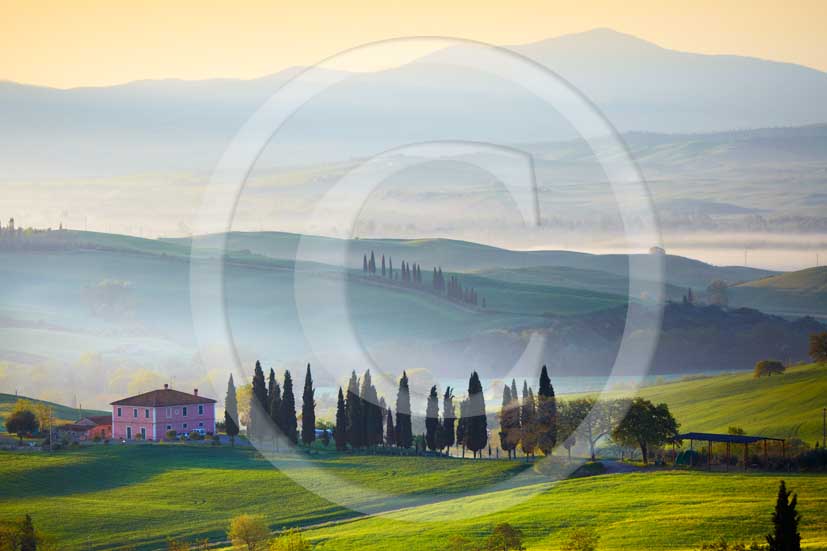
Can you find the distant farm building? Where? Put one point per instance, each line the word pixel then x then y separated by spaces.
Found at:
pixel 149 416
pixel 88 428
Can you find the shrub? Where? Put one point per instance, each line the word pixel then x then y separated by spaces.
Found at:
pixel 97 438
pixel 291 540
pixel 248 533
pixel 505 538
pixel 723 545
pixel 768 368
pixel 818 347
pixel 171 435
pixel 581 539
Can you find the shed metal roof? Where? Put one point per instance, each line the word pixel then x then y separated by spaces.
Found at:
pixel 732 438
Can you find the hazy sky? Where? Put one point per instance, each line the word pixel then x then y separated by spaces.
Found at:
pixel 66 43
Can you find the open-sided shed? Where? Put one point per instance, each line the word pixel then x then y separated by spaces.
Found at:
pixel 730 439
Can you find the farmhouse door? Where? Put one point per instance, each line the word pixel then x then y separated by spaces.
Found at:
pixel 143 433
pixel 129 433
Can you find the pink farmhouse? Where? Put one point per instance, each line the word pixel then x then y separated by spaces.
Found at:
pixel 150 415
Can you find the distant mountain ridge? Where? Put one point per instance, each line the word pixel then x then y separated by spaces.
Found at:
pixel 184 125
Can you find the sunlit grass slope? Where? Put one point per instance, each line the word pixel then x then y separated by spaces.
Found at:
pixel 60 412
pixel 108 496
pixel 643 511
pixel 788 405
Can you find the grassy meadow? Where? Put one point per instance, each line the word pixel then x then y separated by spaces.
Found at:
pixel 783 406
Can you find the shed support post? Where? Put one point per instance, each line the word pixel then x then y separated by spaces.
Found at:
pixel 766 460
pixel 709 456
pixel 746 455
pixel 727 457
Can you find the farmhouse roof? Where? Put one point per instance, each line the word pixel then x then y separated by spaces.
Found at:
pixel 96 420
pixel 164 397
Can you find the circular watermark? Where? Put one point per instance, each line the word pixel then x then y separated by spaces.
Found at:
pixel 352 191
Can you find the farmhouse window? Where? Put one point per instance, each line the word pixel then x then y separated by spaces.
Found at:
pixel 134 412
pixel 146 413
pixel 119 412
pixel 200 410
pixel 169 427
pixel 185 412
pixel 169 412
pixel 185 425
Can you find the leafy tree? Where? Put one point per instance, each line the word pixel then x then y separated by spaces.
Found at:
pixel 646 425
pixel 404 431
pixel 818 347
pixel 476 425
pixel 291 540
pixel 355 421
pixel 767 368
pixel 528 413
pixel 598 418
pixel 288 409
pixel 785 519
pixel 231 412
pixel 390 431
pixel 249 533
pixel 546 421
pixel 457 542
pixel 446 434
pixel 340 433
pixel 308 410
pixel 21 423
pixel 505 538
pixel 432 419
pixel 571 415
pixel 581 539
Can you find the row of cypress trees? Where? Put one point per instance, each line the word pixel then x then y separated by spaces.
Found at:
pixel 364 420
pixel 412 273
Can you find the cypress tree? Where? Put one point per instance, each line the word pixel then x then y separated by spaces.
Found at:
pixel 403 414
pixel 509 422
pixel 546 414
pixel 446 435
pixel 390 432
pixel 371 412
pixel 785 519
pixel 390 267
pixel 308 410
pixel 383 265
pixel 462 433
pixel 27 538
pixel 231 412
pixel 528 440
pixel 340 435
pixel 276 411
pixel 288 408
pixel 271 383
pixel 258 400
pixel 476 428
pixel 432 420
pixel 365 263
pixel 372 263
pixel 353 404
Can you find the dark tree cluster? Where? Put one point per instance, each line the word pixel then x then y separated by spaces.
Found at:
pixel 360 415
pixel 411 274
pixel 273 408
pixel 531 423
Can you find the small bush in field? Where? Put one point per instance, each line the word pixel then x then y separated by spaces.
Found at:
pixel 171 435
pixel 581 539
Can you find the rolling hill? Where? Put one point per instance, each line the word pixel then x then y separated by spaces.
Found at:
pixel 464 256
pixel 61 413
pixel 793 293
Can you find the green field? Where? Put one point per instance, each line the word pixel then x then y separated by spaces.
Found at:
pixel 642 511
pixel 784 406
pixel 801 292
pixel 106 496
